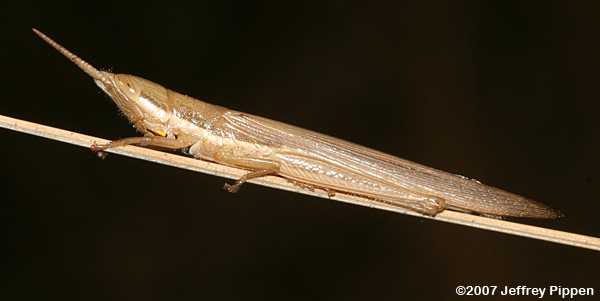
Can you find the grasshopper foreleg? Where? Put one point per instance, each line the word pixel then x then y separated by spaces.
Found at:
pixel 164 142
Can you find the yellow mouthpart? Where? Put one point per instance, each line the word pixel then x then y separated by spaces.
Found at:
pixel 158 132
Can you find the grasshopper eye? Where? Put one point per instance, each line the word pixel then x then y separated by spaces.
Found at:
pixel 127 86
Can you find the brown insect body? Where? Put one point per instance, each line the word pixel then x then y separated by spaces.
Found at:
pixel 266 147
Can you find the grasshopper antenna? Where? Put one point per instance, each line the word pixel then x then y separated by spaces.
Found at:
pixel 85 66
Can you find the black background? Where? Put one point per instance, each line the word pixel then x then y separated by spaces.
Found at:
pixel 502 91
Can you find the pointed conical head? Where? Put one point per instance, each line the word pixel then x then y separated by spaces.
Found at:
pixel 142 101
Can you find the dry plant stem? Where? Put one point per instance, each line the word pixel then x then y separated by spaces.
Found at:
pixel 480 222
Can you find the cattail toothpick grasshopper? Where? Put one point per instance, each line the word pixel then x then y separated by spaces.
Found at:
pixel 265 147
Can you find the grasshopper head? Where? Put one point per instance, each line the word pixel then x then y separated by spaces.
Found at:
pixel 143 102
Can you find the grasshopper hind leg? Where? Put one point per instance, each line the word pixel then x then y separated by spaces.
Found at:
pixel 427 205
pixel 328 176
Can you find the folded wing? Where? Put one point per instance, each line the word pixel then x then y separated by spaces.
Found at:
pixel 459 192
